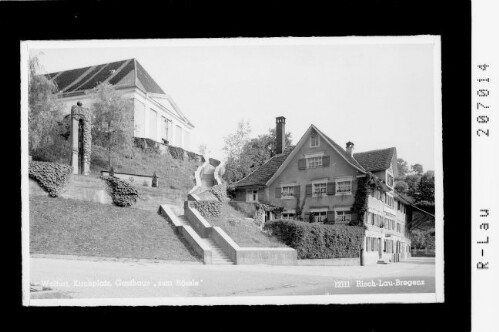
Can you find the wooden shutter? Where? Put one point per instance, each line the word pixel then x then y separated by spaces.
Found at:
pixel 302 164
pixel 325 161
pixel 297 191
pixel 278 192
pixel 354 185
pixel 330 217
pixel 331 188
pixel 308 190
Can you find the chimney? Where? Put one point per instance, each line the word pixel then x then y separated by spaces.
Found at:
pixel 350 149
pixel 280 124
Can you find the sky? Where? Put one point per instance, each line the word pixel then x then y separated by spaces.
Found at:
pixel 377 93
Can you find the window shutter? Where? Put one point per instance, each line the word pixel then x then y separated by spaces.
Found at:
pixel 308 190
pixel 331 188
pixel 302 164
pixel 354 185
pixel 278 192
pixel 325 161
pixel 330 217
pixel 297 191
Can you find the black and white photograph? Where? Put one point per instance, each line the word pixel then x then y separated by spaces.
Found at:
pixel 290 170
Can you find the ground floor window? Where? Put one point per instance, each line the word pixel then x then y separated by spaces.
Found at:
pixel 319 216
pixel 252 195
pixel 343 216
pixel 287 216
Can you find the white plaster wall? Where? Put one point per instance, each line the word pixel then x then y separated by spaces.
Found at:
pixel 145 128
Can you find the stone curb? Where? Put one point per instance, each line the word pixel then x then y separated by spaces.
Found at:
pixel 112 259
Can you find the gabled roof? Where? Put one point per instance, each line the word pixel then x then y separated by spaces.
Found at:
pixel 342 152
pixel 124 73
pixel 375 160
pixel 262 174
pixel 328 140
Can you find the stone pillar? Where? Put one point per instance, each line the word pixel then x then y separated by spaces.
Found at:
pixel 74 143
pixel 78 113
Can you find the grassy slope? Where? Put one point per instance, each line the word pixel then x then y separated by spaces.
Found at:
pixel 173 174
pixel 242 230
pixel 70 227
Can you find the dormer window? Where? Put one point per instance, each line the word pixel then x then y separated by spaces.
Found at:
pixel 314 140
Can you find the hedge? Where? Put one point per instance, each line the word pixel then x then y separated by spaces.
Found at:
pixel 318 241
pixel 122 192
pixel 176 152
pixel 52 177
pixel 208 208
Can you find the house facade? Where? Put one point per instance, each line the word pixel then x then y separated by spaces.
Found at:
pixel 316 181
pixel 155 113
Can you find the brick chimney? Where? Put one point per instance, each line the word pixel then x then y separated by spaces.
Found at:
pixel 280 132
pixel 350 149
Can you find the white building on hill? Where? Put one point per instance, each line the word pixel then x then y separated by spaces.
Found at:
pixel 156 116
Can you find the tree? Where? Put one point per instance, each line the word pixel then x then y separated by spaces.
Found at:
pixel 245 155
pixel 402 167
pixel 112 121
pixel 401 187
pixel 426 187
pixel 412 182
pixel 417 169
pixel 234 143
pixel 44 109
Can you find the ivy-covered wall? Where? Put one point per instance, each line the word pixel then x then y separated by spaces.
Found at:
pixel 123 193
pixel 208 208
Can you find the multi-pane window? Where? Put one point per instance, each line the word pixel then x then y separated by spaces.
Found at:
pixel 287 215
pixel 389 180
pixel 319 189
pixel 252 195
pixel 319 216
pixel 314 162
pixel 398 227
pixel 343 216
pixel 314 140
pixel 288 191
pixel 344 187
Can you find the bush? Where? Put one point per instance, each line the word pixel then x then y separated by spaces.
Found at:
pixel 208 208
pixel 176 152
pixel 123 193
pixel 220 192
pixel 52 177
pixel 318 241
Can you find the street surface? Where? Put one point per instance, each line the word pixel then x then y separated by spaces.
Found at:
pixel 111 279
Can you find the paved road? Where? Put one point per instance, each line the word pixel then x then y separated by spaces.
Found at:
pixel 111 279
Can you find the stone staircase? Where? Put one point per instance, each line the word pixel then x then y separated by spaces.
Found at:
pixel 218 256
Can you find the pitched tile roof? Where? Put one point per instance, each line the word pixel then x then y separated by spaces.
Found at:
pixel 262 174
pixel 126 73
pixel 375 160
pixel 343 152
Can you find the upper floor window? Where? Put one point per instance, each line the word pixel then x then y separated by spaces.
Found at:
pixel 389 180
pixel 319 189
pixel 314 140
pixel 343 186
pixel 288 191
pixel 314 162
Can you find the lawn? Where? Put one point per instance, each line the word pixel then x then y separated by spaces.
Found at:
pixel 242 230
pixel 69 227
pixel 173 174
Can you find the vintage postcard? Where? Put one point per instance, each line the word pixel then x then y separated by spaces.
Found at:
pixel 232 171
